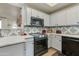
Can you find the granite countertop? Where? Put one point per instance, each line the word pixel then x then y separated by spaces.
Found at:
pixel 10 40
pixel 68 35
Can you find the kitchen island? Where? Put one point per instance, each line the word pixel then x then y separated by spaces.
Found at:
pixel 16 46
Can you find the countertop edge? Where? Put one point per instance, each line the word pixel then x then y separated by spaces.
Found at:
pixel 11 44
pixel 16 42
pixel 68 35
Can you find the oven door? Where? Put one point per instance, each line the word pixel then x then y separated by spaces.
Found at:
pixel 40 46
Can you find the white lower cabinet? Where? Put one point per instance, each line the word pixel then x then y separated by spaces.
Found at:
pixel 29 48
pixel 13 50
pixel 49 40
pixel 57 42
pixel 21 49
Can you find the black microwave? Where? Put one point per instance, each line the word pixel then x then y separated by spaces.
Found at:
pixel 37 21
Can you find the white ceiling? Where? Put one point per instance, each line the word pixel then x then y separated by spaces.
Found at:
pixel 48 7
pixel 52 4
pixel 45 7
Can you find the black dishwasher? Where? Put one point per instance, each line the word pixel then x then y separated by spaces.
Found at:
pixel 70 46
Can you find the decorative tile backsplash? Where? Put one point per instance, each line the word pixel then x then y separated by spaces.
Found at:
pixel 32 29
pixel 65 30
pixel 9 32
pixel 69 30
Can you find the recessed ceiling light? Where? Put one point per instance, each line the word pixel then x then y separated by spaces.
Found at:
pixel 52 4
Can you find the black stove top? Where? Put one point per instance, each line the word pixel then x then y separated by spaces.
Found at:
pixel 38 35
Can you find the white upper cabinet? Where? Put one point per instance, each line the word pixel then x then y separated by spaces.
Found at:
pixel 38 14
pixel 41 15
pixel 73 15
pixel 35 13
pixel 77 15
pixel 23 13
pixel 61 18
pixel 46 20
pixel 53 20
pixel 28 15
pixel 45 17
pixel 58 18
pixel 68 16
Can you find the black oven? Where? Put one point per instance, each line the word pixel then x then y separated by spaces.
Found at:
pixel 40 46
pixel 37 21
pixel 40 43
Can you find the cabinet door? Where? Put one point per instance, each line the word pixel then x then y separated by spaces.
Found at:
pixel 29 49
pixel 26 15
pixel 35 13
pixel 28 19
pixel 70 17
pixel 56 42
pixel 73 15
pixel 45 17
pixel 23 12
pixel 40 14
pixel 46 20
pixel 53 41
pixel 61 18
pixel 53 20
pixel 13 50
pixel 77 15
pixel 49 40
